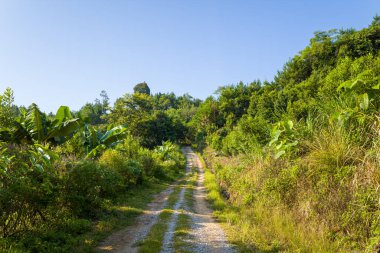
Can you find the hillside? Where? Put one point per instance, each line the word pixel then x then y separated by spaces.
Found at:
pixel 298 158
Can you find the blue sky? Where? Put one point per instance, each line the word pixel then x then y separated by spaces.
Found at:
pixel 64 52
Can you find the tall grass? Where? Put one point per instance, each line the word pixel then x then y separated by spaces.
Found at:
pixel 325 198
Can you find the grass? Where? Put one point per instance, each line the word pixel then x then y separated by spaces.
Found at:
pixel 181 233
pixel 261 229
pixel 154 240
pixel 82 235
pixel 190 187
pixel 230 216
pixel 183 226
pixel 120 216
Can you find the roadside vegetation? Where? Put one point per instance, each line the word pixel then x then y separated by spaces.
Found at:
pixel 295 161
pixel 69 179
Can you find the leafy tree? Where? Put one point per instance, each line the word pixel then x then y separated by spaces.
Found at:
pixel 376 20
pixel 95 113
pixel 158 128
pixel 105 101
pixel 142 88
pixel 7 109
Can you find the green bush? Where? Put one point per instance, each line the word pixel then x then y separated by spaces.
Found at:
pixel 171 161
pixel 148 162
pixel 87 184
pixel 29 186
pixel 130 170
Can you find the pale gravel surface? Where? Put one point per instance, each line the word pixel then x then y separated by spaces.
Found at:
pixel 206 234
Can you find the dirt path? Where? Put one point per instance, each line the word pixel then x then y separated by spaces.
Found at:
pixel 169 235
pixel 206 235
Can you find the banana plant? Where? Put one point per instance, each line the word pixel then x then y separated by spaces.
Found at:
pixel 33 127
pixel 96 141
pixel 364 92
pixel 282 138
pixel 165 149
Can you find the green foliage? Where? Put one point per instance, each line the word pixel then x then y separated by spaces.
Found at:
pixel 158 128
pixel 7 114
pixel 43 168
pixel 282 138
pixel 171 161
pixel 95 113
pixel 149 120
pixel 142 88
pixel 300 157
pixel 97 141
pixel 86 184
pixel 28 186
pixel 130 170
pixel 34 127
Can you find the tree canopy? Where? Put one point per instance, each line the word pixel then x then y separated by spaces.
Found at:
pixel 142 88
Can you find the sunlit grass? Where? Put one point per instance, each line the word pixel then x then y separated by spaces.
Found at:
pixel 261 228
pixel 153 242
pixel 182 238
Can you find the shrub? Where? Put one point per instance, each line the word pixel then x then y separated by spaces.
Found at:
pixel 130 170
pixel 171 162
pixel 28 187
pixel 87 184
pixel 148 162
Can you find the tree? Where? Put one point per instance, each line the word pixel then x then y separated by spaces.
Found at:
pixel 105 101
pixel 157 128
pixel 376 20
pixel 142 88
pixel 131 108
pixel 7 114
pixel 94 113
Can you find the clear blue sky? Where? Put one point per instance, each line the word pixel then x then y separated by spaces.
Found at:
pixel 56 52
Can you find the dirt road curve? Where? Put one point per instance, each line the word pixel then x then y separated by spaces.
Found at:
pixel 206 235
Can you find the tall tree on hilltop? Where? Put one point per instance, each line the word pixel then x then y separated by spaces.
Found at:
pixel 142 88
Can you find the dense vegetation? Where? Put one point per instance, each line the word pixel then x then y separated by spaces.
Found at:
pixel 294 163
pixel 63 175
pixel 298 157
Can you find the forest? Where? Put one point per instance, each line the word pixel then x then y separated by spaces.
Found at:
pixel 293 164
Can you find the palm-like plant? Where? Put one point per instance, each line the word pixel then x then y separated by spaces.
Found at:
pixel 33 127
pixel 97 141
